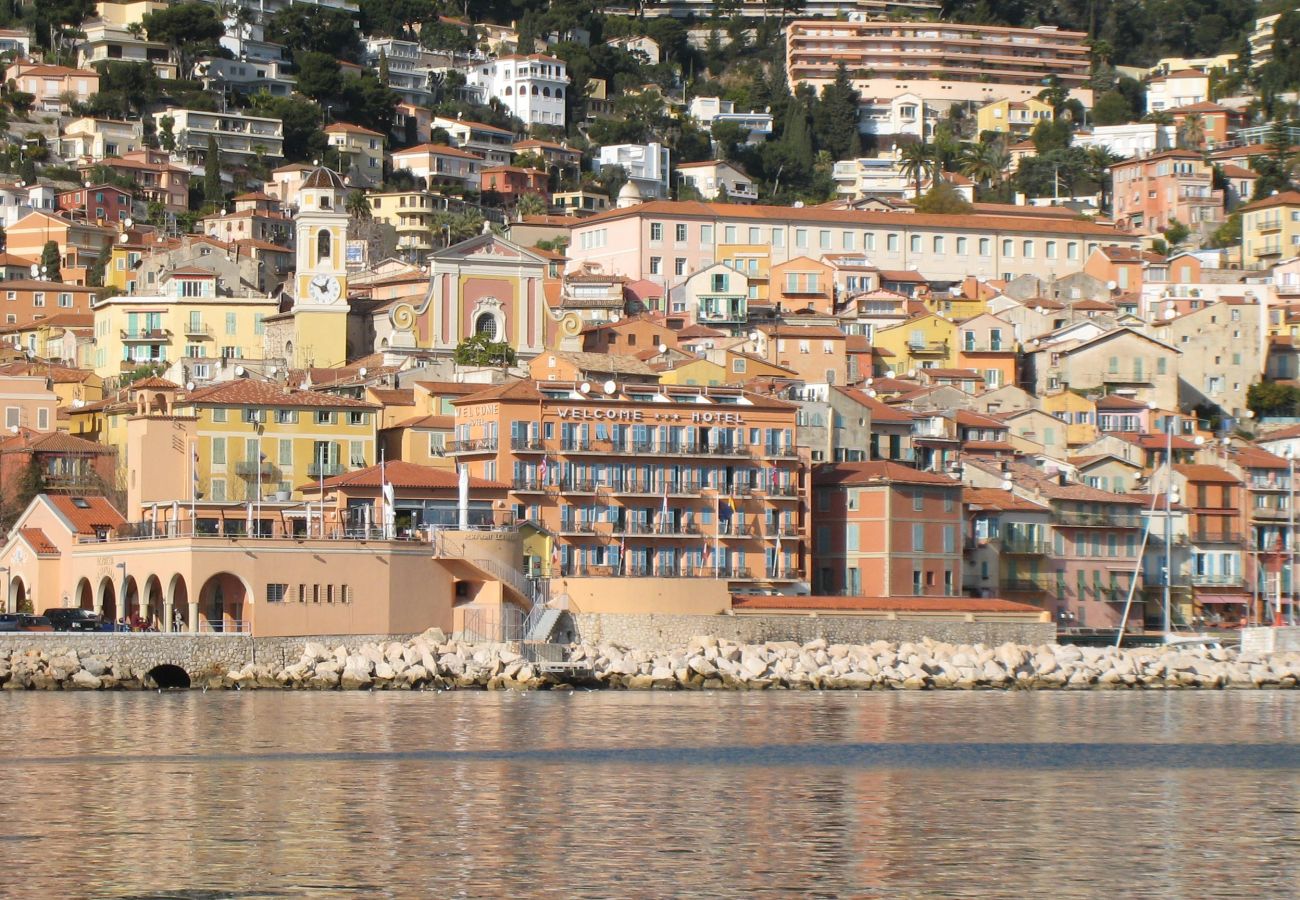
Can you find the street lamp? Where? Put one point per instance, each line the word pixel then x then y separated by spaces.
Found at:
pixel 121 606
pixel 1290 542
pixel 5 570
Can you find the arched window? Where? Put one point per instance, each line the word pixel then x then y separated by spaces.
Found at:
pixel 559 93
pixel 486 324
pixel 323 244
pixel 509 90
pixel 534 90
pixel 546 92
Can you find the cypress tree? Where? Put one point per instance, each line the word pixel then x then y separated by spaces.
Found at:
pixel 212 192
pixel 796 137
pixel 50 259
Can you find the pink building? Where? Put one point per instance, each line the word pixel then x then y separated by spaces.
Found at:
pixel 1174 184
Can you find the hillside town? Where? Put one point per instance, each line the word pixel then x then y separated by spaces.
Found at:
pixel 365 318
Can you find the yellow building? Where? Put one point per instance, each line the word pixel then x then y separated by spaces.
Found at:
pixel 1016 117
pixel 189 319
pixel 927 341
pixel 741 249
pixel 695 371
pixel 1077 412
pixel 1270 229
pixel 361 152
pixel 958 308
pixel 228 442
pixel 411 214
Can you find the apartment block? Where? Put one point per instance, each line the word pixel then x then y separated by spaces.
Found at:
pixel 240 138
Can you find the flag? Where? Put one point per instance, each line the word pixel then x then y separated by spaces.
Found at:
pixel 555 559
pixel 541 472
pixel 622 556
pixel 726 509
pixel 774 478
pixel 195 456
pixel 776 564
pixel 663 520
pixel 708 554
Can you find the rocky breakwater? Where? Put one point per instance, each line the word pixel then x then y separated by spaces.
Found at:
pixel 432 662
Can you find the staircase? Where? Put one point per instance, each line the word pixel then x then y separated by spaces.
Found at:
pixel 541 623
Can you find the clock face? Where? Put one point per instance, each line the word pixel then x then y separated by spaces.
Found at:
pixel 324 289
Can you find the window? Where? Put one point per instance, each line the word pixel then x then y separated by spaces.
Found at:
pixel 729 234
pixel 706 234
pixel 801 238
pixel 656 265
pixel 219 414
pixel 42 419
pixel 275 593
pixel 679 266
pixel 356 418
pixel 938 245
pixel 986 246
pixel 1008 247
pixel 65 301
pixel 323 244
pixel 918 537
pixel 218 451
pixel 918 500
pixel 324 417
pixel 1027 249
pixel 486 323
pixel 11 417
pixel 286 453
pixel 679 233
pixel 286 416
pixel 753 235
pixel 891 243
pixel 1051 250
pixel 962 248
pixel 656 231
pixel 231 323
pixel 914 243
pixel 778 237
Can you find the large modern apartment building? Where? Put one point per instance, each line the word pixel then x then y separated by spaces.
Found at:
pixel 941 62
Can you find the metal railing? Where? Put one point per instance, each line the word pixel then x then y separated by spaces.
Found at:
pixel 1024 546
pixel 251 468
pixel 478 445
pixel 1098 519
pixel 325 470
pixel 1218 537
pixel 1219 580
pixel 225 626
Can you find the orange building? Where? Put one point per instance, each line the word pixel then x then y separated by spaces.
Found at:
pixel 884 529
pixel 646 480
pixel 631 335
pixel 27 301
pixel 803 283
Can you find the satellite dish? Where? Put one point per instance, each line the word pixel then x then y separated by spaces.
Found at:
pixel 753 335
pixel 1170 313
pixel 1006 484
pixel 13 429
pixel 239 371
pixel 363 372
pixel 663 348
pixel 274 369
pixel 77 403
pixel 129 223
pixel 911 373
pixel 871 392
pixel 1111 285
pixel 189 385
pixel 1199 441
pixel 585 387
pixel 123 238
pixel 88 184
pixel 889 374
pixel 610 387
pixel 36 269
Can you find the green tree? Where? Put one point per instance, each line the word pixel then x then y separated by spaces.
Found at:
pixel 301 119
pixel 944 199
pixel 796 138
pixel 1229 233
pixel 50 259
pixel 1050 135
pixel 319 75
pixel 481 350
pixel 212 190
pixel 358 205
pixel 189 29
pixel 1268 398
pixel 1112 108
pixel 304 28
pixel 984 163
pixel 835 118
pixel 530 205
pixel 1176 233
pixel 167 133
pixel 1191 133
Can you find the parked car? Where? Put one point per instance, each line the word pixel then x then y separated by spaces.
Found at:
pixel 34 623
pixel 9 621
pixel 74 619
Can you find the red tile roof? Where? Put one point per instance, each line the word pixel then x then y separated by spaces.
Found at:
pixel 86 514
pixel 28 441
pixel 245 392
pixel 39 542
pixel 406 475
pixel 1206 473
pixel 880 411
pixel 877 472
pixel 996 499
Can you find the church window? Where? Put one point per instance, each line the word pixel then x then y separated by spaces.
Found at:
pixel 323 244
pixel 486 324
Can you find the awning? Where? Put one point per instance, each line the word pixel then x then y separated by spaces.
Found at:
pixel 1223 598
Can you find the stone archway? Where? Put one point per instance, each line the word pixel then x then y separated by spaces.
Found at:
pixel 178 602
pixel 153 603
pixel 18 601
pixel 130 598
pixel 225 604
pixel 85 595
pixel 106 600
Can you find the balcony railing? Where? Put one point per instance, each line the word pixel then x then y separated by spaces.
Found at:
pixel 1218 537
pixel 478 445
pixel 781 490
pixel 1128 376
pixel 325 470
pixel 927 347
pixel 199 332
pixel 253 469
pixel 1026 583
pixel 527 445
pixel 1024 546
pixel 146 335
pixel 1096 520
pixel 1218 580
pixel 578 486
pixel 527 485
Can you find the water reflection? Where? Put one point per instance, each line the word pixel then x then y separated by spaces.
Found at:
pixel 640 795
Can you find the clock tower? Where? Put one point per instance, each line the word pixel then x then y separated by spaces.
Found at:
pixel 320 309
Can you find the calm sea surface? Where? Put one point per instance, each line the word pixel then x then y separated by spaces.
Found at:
pixel 256 795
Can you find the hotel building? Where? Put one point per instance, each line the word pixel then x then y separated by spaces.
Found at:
pixel 646 480
pixel 941 62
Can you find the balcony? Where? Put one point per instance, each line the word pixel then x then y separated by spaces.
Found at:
pixel 147 336
pixel 198 332
pixel 729 530
pixel 250 468
pixel 527 445
pixel 1218 537
pixel 1219 579
pixel 527 486
pixel 659 529
pixel 1026 583
pixel 781 452
pixel 579 528
pixel 927 348
pixel 325 470
pixel 785 491
pixel 986 347
pixel 783 573
pixel 478 445
pixel 1127 376
pixel 1096 520
pixel 577 486
pixel 1019 546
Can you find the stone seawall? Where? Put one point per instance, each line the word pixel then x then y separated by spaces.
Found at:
pixel 665 632
pixel 430 661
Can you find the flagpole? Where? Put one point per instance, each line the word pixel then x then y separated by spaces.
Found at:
pixel 259 483
pixel 383 494
pixel 717 533
pixel 194 482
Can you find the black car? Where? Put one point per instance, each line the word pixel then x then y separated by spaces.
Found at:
pixel 9 621
pixel 74 619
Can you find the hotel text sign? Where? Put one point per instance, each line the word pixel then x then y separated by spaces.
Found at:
pixel 611 414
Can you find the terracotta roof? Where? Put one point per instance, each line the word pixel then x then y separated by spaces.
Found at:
pixel 447 422
pixel 963 374
pixel 974 420
pixel 154 383
pixel 1285 198
pixel 1032 478
pixel 9 259
pixel 245 392
pixel 1258 458
pixel 880 412
pixel 988 447
pixel 87 514
pixel 938 605
pixel 1231 170
pixel 39 542
pixel 877 472
pixel 29 441
pixel 699 331
pixel 394 396
pixel 57 374
pixel 797 332
pixel 450 387
pixel 1117 401
pixel 347 128
pixel 405 475
pixel 997 499
pixel 1206 473
pixel 613 363
pixel 437 150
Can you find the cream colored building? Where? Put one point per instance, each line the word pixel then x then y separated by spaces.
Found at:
pixel 241 138
pixel 361 153
pixel 91 139
pixel 1270 229
pixel 1016 117
pixel 411 213
pixel 189 318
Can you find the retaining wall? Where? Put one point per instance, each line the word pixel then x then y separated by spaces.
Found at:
pixel 665 632
pixel 195 653
pixel 1270 639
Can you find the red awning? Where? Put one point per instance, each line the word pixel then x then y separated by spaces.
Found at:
pixel 1223 598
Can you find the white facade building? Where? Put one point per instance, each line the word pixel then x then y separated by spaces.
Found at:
pixel 532 87
pixel 1131 140
pixel 647 166
pixel 238 136
pixel 1177 89
pixel 905 114
pixel 708 110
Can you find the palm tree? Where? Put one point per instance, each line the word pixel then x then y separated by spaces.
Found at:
pixel 530 205
pixel 983 163
pixel 358 205
pixel 1191 133
pixel 1100 159
pixel 1159 117
pixel 917 163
